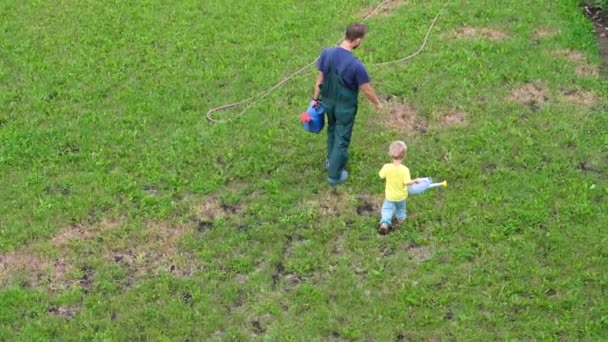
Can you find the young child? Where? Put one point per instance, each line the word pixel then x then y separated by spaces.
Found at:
pixel 397 178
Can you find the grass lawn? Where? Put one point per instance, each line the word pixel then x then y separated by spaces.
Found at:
pixel 126 215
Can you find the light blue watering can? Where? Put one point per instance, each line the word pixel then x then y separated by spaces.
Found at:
pixel 424 185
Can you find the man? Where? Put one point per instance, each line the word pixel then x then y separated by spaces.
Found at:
pixel 341 76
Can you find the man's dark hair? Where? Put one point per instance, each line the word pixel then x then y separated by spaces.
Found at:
pixel 355 30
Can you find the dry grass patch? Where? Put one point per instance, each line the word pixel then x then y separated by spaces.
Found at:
pixel 469 32
pixel 587 70
pixel 155 252
pixel 339 245
pixel 212 208
pixel 573 55
pixel 579 96
pixel 63 312
pixel 330 203
pixel 38 271
pixel 388 7
pixel 81 232
pixel 420 253
pixel 533 95
pixel 545 32
pixel 454 118
pixel 369 204
pixel 402 116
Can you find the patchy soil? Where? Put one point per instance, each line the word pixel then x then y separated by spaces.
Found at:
pixel 289 280
pixel 150 252
pixel 368 205
pixel 545 32
pixel 37 270
pixel 533 95
pixel 419 253
pixel 480 32
pixel 587 70
pixel 579 96
pixel 339 245
pixel 388 7
pixel 572 55
pixel 600 22
pixel 402 116
pixel 587 166
pixel 331 203
pixel 154 253
pixel 63 312
pixel 81 232
pixel 212 208
pixel 455 118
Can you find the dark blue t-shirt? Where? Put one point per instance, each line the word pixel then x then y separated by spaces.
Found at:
pixel 356 74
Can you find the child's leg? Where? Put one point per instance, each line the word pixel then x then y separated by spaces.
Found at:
pixel 401 211
pixel 388 210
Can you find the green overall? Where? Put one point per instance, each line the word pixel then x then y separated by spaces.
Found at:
pixel 341 107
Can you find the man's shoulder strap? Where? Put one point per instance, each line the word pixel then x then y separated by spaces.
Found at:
pixel 348 65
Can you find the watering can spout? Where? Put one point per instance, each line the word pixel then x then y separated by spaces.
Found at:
pixel 424 185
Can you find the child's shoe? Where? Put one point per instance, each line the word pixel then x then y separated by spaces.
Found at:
pixel 383 230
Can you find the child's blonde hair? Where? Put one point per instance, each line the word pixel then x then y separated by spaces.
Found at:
pixel 397 150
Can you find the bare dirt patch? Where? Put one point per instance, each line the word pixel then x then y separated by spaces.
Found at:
pixel 579 96
pixel 37 270
pixel 454 118
pixel 281 277
pixel 81 232
pixel 420 253
pixel 63 312
pixel 155 252
pixel 600 22
pixel 587 70
pixel 469 32
pixel 545 32
pixel 387 8
pixel 72 233
pixel 330 203
pixel 213 208
pixel 403 116
pixel 339 245
pixel 573 55
pixel 533 95
pixel 368 204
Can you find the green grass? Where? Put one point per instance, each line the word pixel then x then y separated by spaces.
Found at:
pixel 601 4
pixel 102 127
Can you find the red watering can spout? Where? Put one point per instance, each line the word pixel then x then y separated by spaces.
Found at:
pixel 305 117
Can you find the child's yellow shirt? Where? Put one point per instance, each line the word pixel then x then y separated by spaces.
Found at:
pixel 396 177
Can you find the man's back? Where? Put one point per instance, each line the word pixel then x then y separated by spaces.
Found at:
pixel 355 75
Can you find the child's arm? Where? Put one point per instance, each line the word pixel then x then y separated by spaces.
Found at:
pixel 415 181
pixel 382 172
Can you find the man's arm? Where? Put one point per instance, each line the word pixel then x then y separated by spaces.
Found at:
pixel 317 91
pixel 367 89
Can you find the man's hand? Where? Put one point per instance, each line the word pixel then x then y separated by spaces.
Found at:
pixel 378 106
pixel 367 89
pixel 315 103
pixel 417 181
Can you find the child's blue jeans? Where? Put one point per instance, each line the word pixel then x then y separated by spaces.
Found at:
pixel 390 209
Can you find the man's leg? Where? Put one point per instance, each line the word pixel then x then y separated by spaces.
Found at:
pixel 345 119
pixel 330 110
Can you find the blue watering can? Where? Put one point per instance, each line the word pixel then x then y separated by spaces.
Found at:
pixel 313 118
pixel 425 184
